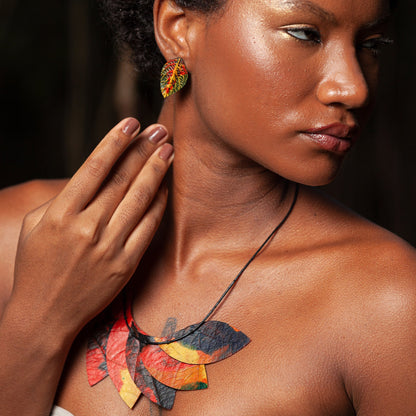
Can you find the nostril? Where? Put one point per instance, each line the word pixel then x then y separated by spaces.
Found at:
pixel 344 88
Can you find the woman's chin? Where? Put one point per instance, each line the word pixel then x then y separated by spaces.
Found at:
pixel 313 174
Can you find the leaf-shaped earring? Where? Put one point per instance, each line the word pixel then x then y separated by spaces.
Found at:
pixel 173 77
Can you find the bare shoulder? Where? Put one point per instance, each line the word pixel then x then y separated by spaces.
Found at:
pixel 28 195
pixel 368 249
pixel 380 354
pixel 371 274
pixel 15 202
pixel 369 262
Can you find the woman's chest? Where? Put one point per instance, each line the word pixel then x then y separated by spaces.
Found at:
pixel 279 372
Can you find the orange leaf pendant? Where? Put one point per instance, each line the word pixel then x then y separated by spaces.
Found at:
pixel 173 77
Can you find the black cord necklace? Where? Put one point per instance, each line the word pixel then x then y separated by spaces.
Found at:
pixel 157 367
pixel 154 341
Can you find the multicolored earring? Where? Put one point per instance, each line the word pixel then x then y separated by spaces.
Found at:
pixel 173 77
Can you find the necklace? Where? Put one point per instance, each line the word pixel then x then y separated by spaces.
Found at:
pixel 157 367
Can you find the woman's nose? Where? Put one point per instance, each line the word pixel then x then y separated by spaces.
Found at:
pixel 343 82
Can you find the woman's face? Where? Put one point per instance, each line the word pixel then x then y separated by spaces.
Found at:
pixel 287 83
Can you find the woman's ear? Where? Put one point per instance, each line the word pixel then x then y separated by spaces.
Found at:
pixel 175 30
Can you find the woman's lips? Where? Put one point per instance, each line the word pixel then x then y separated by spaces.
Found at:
pixel 337 137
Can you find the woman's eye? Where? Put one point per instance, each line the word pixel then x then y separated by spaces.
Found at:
pixel 305 34
pixel 375 45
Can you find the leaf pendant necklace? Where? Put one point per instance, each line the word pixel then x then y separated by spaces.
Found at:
pixel 157 367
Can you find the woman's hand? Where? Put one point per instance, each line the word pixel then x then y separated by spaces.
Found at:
pixel 76 253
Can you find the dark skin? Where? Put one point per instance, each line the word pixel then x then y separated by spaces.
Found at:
pixel 330 305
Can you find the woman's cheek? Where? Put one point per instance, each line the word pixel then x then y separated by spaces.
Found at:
pixel 248 87
pixel 257 98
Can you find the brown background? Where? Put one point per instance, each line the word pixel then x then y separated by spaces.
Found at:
pixel 62 87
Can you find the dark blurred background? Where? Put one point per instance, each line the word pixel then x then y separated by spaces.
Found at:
pixel 62 86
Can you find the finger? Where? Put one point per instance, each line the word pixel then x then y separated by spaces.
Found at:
pixel 125 171
pixel 87 180
pixel 141 236
pixel 141 193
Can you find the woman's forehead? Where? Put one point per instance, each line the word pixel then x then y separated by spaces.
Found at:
pixel 361 11
pixel 315 6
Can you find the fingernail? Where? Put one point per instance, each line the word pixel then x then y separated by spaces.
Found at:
pixel 166 151
pixel 131 126
pixel 158 134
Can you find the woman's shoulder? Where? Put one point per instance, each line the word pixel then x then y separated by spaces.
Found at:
pixel 332 225
pixel 365 264
pixel 33 190
pixel 375 304
pixel 366 281
pixel 15 202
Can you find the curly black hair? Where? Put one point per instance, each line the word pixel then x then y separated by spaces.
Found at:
pixel 131 22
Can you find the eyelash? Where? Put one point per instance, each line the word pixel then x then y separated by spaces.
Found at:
pixel 375 45
pixel 310 35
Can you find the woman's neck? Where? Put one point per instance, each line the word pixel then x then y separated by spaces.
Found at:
pixel 218 199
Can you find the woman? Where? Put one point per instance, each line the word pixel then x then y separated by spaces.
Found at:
pixel 320 321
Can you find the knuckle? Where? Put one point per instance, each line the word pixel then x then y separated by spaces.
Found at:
pixel 143 195
pixel 88 233
pixel 158 169
pixel 56 221
pixel 107 251
pixel 126 265
pixel 142 150
pixel 30 217
pixel 117 139
pixel 29 222
pixel 77 187
pixel 95 167
pixel 120 177
pixel 124 218
pixel 107 198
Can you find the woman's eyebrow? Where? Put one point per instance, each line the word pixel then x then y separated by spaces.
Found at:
pixel 328 16
pixel 311 7
pixel 383 20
